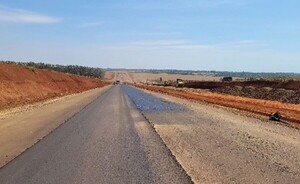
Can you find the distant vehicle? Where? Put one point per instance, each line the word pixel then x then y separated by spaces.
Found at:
pixel 227 79
pixel 179 83
pixel 117 82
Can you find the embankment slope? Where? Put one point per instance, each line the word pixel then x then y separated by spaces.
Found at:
pixel 21 85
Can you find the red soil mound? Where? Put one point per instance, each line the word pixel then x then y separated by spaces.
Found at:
pixel 290 112
pixel 20 85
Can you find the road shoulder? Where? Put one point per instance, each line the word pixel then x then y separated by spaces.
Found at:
pixel 209 141
pixel 21 129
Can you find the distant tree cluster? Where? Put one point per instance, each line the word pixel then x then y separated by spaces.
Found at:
pixel 72 69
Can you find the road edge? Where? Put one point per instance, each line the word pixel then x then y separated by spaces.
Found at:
pixel 54 129
pixel 173 156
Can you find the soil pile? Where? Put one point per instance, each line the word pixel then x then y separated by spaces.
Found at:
pixel 21 85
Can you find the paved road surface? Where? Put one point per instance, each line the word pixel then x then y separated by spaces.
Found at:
pixel 107 142
pixel 22 127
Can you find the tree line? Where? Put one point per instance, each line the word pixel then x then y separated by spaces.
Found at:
pixel 72 69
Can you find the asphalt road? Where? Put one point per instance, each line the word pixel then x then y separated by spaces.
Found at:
pixel 109 141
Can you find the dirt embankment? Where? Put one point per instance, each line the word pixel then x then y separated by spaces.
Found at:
pixel 282 91
pixel 21 85
pixel 288 85
pixel 281 95
pixel 290 112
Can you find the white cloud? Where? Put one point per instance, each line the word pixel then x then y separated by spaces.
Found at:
pixel 182 45
pixel 216 3
pixel 179 4
pixel 163 44
pixel 91 24
pixel 243 44
pixel 159 43
pixel 23 16
pixel 185 44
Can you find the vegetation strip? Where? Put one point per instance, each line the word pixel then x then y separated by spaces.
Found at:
pixel 290 112
pixel 71 69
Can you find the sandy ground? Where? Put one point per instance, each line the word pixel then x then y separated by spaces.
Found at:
pixel 216 145
pixel 143 77
pixel 22 127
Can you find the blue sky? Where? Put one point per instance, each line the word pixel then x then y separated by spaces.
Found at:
pixel 234 35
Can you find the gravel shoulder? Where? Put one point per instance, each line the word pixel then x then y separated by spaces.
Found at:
pixel 22 127
pixel 217 145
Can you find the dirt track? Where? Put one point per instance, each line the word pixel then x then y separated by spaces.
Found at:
pixel 20 85
pixel 291 112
